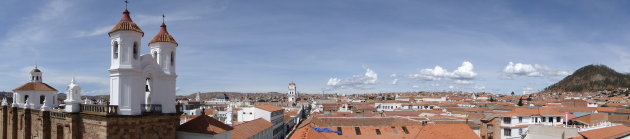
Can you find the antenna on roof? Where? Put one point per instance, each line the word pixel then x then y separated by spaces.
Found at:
pixel 126 2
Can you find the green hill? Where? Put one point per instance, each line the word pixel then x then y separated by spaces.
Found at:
pixel 591 78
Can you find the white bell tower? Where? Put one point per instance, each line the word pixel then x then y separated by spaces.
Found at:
pixel 292 94
pixel 126 83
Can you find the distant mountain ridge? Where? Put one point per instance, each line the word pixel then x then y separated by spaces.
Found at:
pixel 591 78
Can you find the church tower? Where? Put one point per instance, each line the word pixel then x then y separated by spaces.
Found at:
pixel 163 51
pixel 126 83
pixel 292 92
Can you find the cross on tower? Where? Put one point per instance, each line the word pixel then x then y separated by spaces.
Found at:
pixel 163 18
pixel 126 2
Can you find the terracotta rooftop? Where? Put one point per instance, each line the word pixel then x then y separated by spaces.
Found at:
pixel 35 86
pixel 592 119
pixel 448 131
pixel 534 111
pixel 363 121
pixel 251 128
pixel 163 36
pixel 126 23
pixel 607 133
pixel 270 108
pixel 204 124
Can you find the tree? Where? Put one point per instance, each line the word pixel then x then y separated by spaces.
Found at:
pixel 520 102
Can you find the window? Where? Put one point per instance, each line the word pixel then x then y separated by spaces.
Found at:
pixel 536 119
pixel 25 98
pixel 339 129
pixel 405 130
pixel 115 50
pixel 358 130
pixel 378 132
pixel 155 54
pixel 520 119
pixel 394 129
pixel 558 119
pixel 520 131
pixel 544 119
pixel 507 120
pixel 41 99
pixel 135 50
pixel 172 58
pixel 507 132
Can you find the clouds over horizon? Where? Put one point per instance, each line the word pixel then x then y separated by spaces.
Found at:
pixel 359 82
pixel 464 74
pixel 513 70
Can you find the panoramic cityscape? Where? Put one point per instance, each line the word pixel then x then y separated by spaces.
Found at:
pixel 224 69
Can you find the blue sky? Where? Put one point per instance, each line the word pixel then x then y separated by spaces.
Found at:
pixel 351 46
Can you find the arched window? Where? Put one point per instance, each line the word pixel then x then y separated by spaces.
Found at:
pixel 135 50
pixel 25 98
pixel 172 58
pixel 147 87
pixel 155 54
pixel 115 50
pixel 41 99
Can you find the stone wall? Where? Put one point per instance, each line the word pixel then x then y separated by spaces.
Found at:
pixel 143 127
pixel 19 123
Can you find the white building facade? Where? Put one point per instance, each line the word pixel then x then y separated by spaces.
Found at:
pixel 141 83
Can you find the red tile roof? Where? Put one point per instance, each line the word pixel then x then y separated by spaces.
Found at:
pixel 163 36
pixel 204 124
pixel 607 133
pixel 126 23
pixel 270 108
pixel 35 86
pixel 251 128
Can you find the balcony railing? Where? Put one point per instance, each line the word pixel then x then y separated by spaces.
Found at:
pixel 58 115
pixel 99 109
pixel 151 108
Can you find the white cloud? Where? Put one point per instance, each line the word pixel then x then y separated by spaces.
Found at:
pixel 464 82
pixel 393 75
pixel 394 82
pixel 463 74
pixel 355 82
pixel 415 86
pixel 513 70
pixel 528 90
pixel 94 32
pixel 451 87
pixel 479 87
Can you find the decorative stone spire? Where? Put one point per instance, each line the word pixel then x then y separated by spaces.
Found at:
pixel 45 106
pixel 14 103
pixel 74 97
pixel 26 104
pixel 4 102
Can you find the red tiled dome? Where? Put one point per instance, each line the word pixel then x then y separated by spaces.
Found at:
pixel 126 23
pixel 163 36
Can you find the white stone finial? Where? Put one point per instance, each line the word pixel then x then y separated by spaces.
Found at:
pixel 14 103
pixel 4 102
pixel 45 105
pixel 26 104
